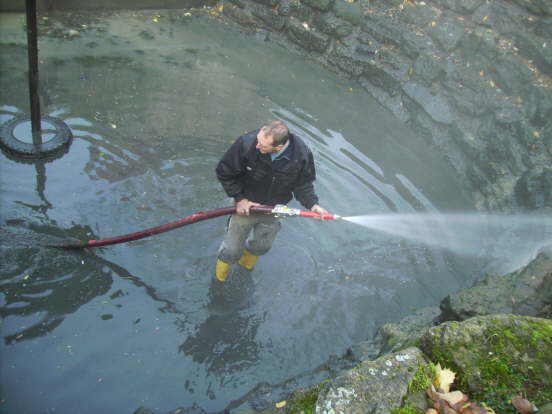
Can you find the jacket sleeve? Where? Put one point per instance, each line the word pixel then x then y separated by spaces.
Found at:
pixel 230 168
pixel 304 191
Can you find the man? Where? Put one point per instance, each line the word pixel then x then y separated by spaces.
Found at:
pixel 267 166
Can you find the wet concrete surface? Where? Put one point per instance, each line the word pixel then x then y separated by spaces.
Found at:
pixel 154 98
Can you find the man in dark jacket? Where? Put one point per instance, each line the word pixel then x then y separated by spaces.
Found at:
pixel 266 166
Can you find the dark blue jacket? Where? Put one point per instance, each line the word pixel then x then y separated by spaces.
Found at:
pixel 245 172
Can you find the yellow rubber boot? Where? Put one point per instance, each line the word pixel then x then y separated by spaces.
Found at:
pixel 248 260
pixel 221 270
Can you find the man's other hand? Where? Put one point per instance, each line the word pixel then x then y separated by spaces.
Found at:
pixel 320 210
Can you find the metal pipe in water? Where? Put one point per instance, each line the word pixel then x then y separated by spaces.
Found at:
pixel 32 53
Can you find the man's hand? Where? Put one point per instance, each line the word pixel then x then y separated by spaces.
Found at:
pixel 243 206
pixel 320 210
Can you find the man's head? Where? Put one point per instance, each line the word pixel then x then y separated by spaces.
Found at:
pixel 272 137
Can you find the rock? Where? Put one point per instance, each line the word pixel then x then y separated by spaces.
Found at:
pixel 306 37
pixel 495 357
pixel 373 386
pixel 241 16
pixel 365 350
pixel 420 15
pixel 143 410
pixel 466 100
pixel 351 12
pixel 347 60
pixel 500 17
pixel 269 17
pixel 477 43
pixel 534 189
pixel 428 67
pixel 523 292
pixel 460 6
pixel 396 336
pixel 383 29
pixel 538 7
pixel 295 9
pixel 379 76
pixel 323 5
pixel 332 25
pixel 537 50
pixel 447 32
pixel 548 136
pixel 194 409
pixel 433 102
pixel 268 3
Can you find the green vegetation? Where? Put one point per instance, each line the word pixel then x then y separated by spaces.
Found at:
pixel 305 401
pixel 497 370
pixel 406 409
pixel 422 378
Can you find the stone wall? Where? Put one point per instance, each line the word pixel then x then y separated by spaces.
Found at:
pixel 473 76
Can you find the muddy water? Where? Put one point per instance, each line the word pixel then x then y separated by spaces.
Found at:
pixel 154 99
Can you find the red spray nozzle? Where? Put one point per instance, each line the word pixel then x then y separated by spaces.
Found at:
pixel 325 216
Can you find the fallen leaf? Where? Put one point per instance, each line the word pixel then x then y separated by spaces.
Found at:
pixel 455 398
pixel 473 408
pixel 281 404
pixel 522 405
pixel 431 411
pixel 444 377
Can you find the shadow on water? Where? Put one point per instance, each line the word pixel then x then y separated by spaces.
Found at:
pixel 225 342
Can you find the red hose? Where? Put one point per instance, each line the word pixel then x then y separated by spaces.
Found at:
pixel 194 218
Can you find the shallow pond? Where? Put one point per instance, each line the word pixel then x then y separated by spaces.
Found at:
pixel 154 99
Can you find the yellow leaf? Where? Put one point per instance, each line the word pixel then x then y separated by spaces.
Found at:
pixel 281 404
pixel 536 133
pixel 443 378
pixel 221 8
pixel 434 23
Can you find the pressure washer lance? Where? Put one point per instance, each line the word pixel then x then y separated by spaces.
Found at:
pixel 278 210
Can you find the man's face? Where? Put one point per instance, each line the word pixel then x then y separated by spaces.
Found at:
pixel 264 143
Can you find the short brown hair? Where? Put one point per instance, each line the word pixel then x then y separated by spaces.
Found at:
pixel 278 131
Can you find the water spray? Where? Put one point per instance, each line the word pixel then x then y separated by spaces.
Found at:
pixel 276 211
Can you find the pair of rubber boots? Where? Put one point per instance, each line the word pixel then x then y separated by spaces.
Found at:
pixel 247 260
